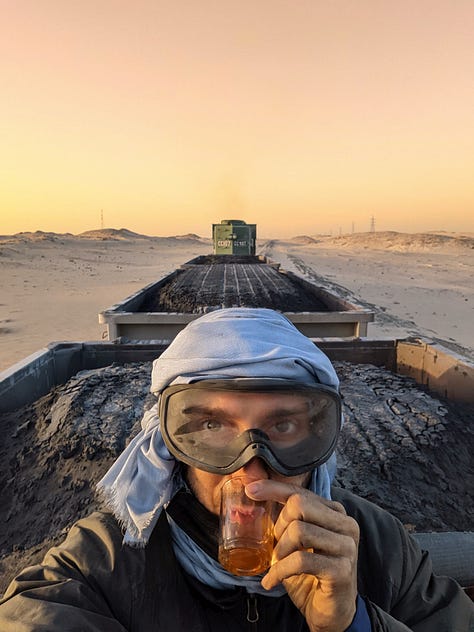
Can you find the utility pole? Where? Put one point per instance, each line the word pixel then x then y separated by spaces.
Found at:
pixel 101 219
pixel 372 224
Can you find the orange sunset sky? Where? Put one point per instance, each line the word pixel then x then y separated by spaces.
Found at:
pixel 302 116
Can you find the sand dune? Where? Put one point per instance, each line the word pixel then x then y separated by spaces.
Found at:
pixel 397 242
pixel 54 285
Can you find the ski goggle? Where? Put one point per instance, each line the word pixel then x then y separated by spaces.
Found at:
pixel 294 430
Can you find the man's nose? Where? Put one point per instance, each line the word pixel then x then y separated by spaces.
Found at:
pixel 254 470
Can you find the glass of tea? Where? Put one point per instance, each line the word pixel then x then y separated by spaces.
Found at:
pixel 245 530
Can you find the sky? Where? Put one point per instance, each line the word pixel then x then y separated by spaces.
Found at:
pixel 302 116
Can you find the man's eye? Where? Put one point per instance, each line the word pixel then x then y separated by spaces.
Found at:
pixel 284 427
pixel 212 425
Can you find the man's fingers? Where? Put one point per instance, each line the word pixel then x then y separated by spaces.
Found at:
pixel 267 489
pixel 303 505
pixel 329 570
pixel 312 509
pixel 303 536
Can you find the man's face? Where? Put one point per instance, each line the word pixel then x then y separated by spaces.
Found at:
pixel 245 411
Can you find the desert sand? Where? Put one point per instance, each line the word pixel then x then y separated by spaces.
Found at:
pixel 417 284
pixel 53 286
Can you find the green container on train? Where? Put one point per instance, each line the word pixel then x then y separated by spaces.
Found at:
pixel 234 237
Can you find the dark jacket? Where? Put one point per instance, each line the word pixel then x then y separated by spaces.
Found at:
pixel 94 583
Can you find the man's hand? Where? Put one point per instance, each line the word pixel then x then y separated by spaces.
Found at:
pixel 315 556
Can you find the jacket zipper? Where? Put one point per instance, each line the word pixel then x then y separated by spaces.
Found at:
pixel 252 611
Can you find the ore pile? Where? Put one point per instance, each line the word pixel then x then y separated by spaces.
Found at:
pixel 406 450
pixel 400 447
pixel 197 288
pixel 53 453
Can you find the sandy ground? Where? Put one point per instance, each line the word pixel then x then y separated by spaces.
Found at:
pixel 416 285
pixel 54 286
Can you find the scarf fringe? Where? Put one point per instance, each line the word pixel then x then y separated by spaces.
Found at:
pixel 114 503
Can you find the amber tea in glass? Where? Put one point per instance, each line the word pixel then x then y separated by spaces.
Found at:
pixel 245 532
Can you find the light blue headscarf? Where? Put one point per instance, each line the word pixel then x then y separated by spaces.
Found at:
pixel 227 343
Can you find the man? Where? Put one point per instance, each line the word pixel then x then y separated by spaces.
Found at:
pixel 241 393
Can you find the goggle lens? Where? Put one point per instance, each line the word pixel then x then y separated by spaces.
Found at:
pixel 298 432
